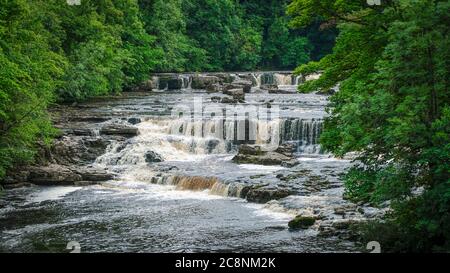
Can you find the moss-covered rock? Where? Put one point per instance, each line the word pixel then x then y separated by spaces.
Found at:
pixel 301 222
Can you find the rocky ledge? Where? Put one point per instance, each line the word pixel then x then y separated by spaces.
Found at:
pixel 255 154
pixel 69 159
pixel 65 175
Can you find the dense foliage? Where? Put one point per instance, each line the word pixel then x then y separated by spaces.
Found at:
pixel 393 63
pixel 216 35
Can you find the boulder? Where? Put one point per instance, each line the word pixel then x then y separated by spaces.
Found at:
pixel 53 175
pixel 216 99
pixel 214 88
pixel 235 93
pixel 269 87
pixel 344 224
pixel 264 195
pixel 244 84
pixel 250 77
pixel 119 129
pixel 290 163
pixel 268 158
pixel 225 77
pixel 301 222
pixel 175 84
pixel 146 86
pixel 75 150
pixel 134 121
pixel 250 150
pixel 152 157
pixel 94 175
pixel 253 154
pixel 230 86
pixel 229 100
pixel 286 149
pixel 202 82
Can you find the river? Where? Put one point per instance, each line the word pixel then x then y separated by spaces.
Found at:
pixel 193 200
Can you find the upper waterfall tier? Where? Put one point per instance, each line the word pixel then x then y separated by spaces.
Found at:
pixel 282 79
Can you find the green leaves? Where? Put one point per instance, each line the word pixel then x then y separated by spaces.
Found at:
pixel 29 74
pixel 392 108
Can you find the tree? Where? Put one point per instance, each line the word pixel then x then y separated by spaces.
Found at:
pixel 393 109
pixel 165 20
pixel 29 74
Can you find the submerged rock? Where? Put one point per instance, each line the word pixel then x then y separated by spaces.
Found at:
pixel 134 121
pixel 301 222
pixel 152 157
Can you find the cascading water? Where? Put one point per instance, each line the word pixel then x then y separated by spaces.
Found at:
pixel 284 80
pixel 304 133
pixel 199 140
pixel 170 180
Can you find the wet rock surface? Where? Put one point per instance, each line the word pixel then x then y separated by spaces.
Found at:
pixel 151 157
pixel 119 129
pixel 264 195
pixel 301 222
pixel 253 154
pixel 204 82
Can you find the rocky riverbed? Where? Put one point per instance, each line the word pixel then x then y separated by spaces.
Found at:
pixel 126 174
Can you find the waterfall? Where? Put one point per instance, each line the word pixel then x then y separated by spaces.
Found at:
pixel 186 81
pixel 200 183
pixel 283 79
pixel 305 133
pixel 181 140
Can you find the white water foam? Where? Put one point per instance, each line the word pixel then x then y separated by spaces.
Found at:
pixel 50 193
